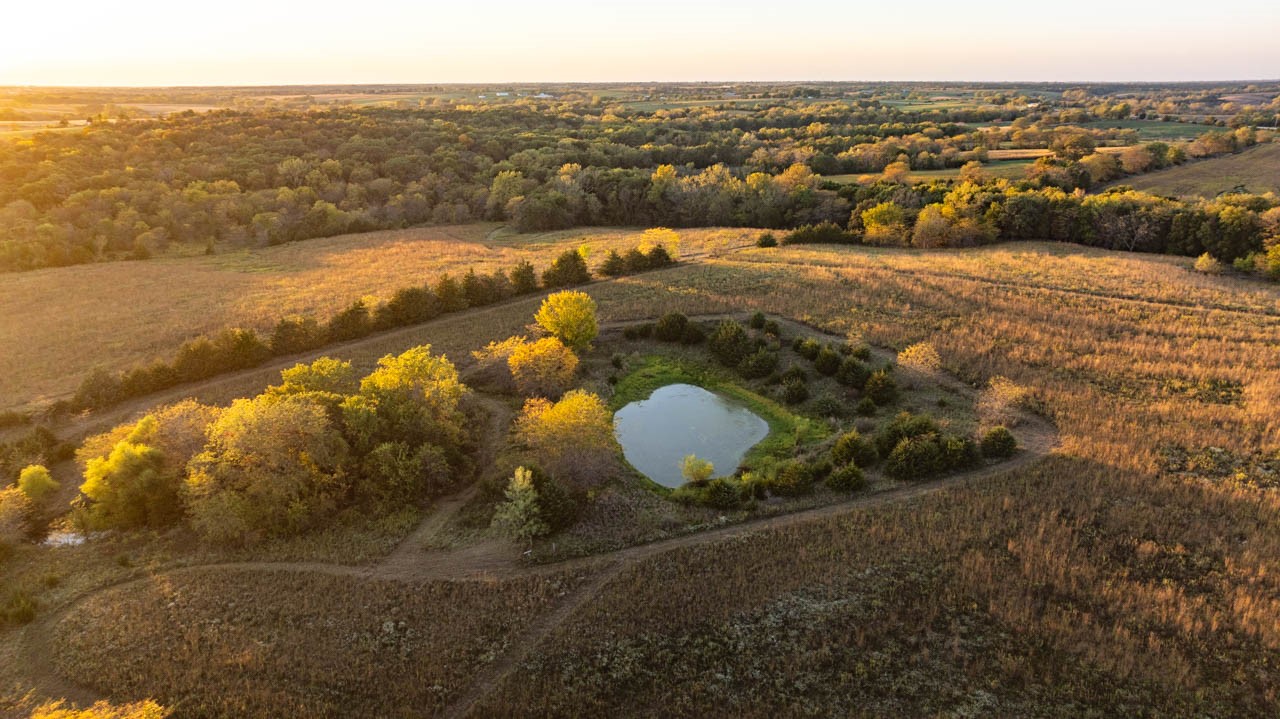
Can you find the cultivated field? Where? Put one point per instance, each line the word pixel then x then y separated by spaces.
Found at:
pixel 1135 571
pixel 1256 170
pixel 58 324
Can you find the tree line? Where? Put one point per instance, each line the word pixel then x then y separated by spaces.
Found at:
pixel 239 348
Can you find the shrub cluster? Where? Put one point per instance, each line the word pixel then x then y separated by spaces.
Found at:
pixel 281 462
pixel 635 260
pixel 915 448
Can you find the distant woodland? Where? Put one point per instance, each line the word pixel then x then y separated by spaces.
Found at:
pixel 846 159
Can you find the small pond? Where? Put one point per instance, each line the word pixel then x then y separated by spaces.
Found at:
pixel 657 433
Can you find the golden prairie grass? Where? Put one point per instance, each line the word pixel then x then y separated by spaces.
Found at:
pixel 1094 580
pixel 1096 577
pixel 57 324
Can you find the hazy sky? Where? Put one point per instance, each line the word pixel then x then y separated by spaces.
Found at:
pixel 171 42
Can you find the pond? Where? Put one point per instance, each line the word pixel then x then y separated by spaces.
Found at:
pixel 657 433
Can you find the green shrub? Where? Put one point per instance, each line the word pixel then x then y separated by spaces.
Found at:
pixel 903 426
pixel 853 448
pixel 766 239
pixel 568 269
pixel 408 306
pixel 449 294
pixel 861 352
pixel 349 324
pixel 853 373
pixel 760 363
pixel 915 458
pixel 558 505
pixel 757 321
pixel 722 493
pixel 827 362
pixel 524 279
pixel 794 391
pixel 658 257
pixel 613 265
pixel 959 452
pixel 881 388
pixel 638 332
pixel 848 478
pixel 36 483
pixel 828 406
pixel 296 334
pixel 998 443
pixel 772 328
pixel 670 327
pixel 795 373
pixel 793 478
pixel 806 348
pixel 865 407
pixel 693 334
pixel 729 343
pixel 636 261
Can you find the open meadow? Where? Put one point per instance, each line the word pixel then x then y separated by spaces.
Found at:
pixel 1256 170
pixel 1132 571
pixel 59 324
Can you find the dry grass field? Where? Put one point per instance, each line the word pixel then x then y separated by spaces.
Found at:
pixel 56 325
pixel 1134 572
pixel 1256 169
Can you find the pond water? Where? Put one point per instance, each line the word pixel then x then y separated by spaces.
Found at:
pixel 657 433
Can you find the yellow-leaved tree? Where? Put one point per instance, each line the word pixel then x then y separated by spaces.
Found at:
pixel 572 439
pixel 544 368
pixel 569 316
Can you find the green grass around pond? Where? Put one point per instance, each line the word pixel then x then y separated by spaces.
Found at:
pixel 787 430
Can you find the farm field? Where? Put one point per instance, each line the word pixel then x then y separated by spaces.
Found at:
pixel 1257 170
pixel 1155 130
pixel 1131 570
pixel 61 323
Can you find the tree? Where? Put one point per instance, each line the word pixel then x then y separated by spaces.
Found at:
pixel 613 265
pixel 971 171
pixel 695 470
pixel 567 270
pixel 129 489
pixel 897 173
pixel 572 438
pixel 413 398
pixel 885 224
pixel 296 334
pixel 1072 146
pixel 449 294
pixel 666 238
pixel 544 368
pixel 36 482
pixel 520 516
pixel 570 316
pixel 524 279
pixel 932 228
pixel 272 467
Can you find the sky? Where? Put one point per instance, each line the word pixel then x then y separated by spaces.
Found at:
pixel 271 42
